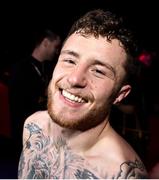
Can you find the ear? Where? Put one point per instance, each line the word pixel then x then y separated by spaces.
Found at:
pixel 45 42
pixel 124 91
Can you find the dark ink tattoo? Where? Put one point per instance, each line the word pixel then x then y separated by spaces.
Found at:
pixel 131 170
pixel 85 174
pixel 47 158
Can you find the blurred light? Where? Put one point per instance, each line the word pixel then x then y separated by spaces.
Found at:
pixel 145 58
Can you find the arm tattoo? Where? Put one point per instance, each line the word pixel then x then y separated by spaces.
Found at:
pixel 131 170
pixel 47 158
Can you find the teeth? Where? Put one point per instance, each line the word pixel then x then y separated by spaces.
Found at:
pixel 72 97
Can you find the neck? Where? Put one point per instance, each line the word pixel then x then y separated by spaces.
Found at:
pixel 83 141
pixel 38 55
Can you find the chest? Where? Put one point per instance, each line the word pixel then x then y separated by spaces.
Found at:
pixel 46 158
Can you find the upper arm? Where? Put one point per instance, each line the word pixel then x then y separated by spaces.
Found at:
pixel 32 126
pixel 31 130
pixel 25 132
pixel 132 169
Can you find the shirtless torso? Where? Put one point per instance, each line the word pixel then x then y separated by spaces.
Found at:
pixel 50 153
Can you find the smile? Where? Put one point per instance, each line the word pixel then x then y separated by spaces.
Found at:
pixel 72 97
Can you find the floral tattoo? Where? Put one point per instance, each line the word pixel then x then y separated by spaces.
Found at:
pixel 46 158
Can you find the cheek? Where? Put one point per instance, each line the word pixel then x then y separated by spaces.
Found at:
pixel 51 88
pixel 101 96
pixel 57 73
pixel 103 89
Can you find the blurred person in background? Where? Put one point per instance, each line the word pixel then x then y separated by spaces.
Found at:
pixel 29 80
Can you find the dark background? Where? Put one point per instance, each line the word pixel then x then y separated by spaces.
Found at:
pixel 20 20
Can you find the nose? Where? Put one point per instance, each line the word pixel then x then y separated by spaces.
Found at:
pixel 77 78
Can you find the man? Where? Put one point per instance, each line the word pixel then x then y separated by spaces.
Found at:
pixel 29 81
pixel 74 139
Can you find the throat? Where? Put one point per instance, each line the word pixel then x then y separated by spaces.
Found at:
pixel 82 141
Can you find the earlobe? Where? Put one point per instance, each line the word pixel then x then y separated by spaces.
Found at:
pixel 124 91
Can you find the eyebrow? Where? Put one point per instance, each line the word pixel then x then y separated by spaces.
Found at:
pixel 108 66
pixel 70 53
pixel 95 61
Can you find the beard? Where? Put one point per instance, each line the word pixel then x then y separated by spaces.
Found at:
pixel 84 121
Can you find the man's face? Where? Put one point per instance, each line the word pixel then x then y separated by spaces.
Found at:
pixel 85 81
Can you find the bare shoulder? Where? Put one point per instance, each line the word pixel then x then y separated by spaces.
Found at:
pixel 123 160
pixel 39 121
pixel 40 118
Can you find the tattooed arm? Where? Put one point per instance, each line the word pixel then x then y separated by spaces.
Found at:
pixel 132 170
pixel 32 130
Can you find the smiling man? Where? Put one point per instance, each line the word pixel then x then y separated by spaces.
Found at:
pixel 74 139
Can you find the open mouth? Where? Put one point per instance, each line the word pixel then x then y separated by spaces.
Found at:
pixel 72 97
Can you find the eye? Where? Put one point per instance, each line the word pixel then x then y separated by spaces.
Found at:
pixel 102 73
pixel 97 71
pixel 69 61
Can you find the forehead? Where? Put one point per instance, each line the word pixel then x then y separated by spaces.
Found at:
pixel 99 48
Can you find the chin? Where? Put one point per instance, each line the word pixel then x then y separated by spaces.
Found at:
pixel 62 120
pixel 81 124
pixel 77 121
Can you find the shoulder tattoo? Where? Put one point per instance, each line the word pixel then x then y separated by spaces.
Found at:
pixel 46 158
